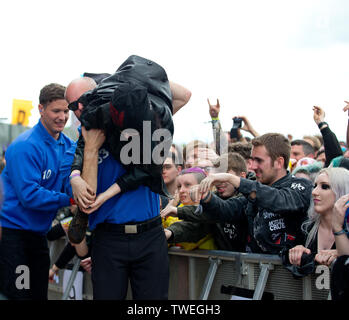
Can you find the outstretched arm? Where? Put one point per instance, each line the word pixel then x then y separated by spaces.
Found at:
pixel 221 142
pixel 247 126
pixel 180 96
pixel 112 191
pixel 331 144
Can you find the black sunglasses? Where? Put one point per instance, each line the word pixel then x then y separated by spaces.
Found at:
pixel 73 106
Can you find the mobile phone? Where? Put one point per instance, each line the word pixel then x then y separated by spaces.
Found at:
pixel 234 130
pixel 237 123
pixel 234 133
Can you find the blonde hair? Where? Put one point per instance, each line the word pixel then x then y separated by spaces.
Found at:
pixel 339 182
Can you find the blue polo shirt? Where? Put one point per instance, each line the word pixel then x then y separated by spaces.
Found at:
pixel 32 182
pixel 132 206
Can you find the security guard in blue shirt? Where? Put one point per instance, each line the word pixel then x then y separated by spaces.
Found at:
pixel 32 196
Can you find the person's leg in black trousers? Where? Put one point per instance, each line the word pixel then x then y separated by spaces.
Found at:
pixel 23 254
pixel 39 265
pixel 109 265
pixel 149 276
pixel 12 255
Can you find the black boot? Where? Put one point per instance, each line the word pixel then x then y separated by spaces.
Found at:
pixel 77 227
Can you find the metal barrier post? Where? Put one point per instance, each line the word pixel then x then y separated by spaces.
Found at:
pixel 191 275
pixel 209 278
pixel 71 279
pixel 239 270
pixel 262 280
pixel 306 284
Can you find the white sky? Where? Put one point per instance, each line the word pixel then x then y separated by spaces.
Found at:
pixel 268 60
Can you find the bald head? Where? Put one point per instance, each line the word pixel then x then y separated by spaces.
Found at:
pixel 79 86
pixel 76 89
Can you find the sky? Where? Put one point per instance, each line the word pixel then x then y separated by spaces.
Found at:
pixel 270 61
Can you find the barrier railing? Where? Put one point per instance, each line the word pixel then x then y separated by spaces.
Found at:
pixel 223 275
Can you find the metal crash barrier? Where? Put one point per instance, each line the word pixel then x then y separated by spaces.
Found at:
pixel 218 275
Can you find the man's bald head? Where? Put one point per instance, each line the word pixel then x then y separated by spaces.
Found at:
pixel 76 89
pixel 81 84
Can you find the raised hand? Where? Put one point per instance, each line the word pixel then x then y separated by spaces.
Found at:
pixel 207 153
pixel 319 115
pixel 195 194
pixel 215 178
pixel 340 206
pixel 247 126
pixel 346 108
pixel 214 109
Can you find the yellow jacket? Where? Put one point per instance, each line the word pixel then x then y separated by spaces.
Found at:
pixel 206 242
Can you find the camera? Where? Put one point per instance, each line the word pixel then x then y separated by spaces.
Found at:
pixel 236 125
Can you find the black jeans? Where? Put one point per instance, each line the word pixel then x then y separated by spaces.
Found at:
pixel 141 258
pixel 24 254
pixel 340 279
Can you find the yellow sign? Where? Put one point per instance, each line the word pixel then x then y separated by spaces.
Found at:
pixel 21 111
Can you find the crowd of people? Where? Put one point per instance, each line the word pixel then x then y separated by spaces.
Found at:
pixel 268 194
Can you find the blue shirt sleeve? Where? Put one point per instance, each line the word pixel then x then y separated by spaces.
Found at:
pixel 25 170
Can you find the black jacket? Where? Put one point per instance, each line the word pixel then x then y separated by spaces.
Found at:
pixel 308 263
pixel 331 145
pixel 227 235
pixel 138 91
pixel 274 216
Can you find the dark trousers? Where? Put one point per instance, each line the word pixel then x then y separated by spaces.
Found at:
pixel 24 254
pixel 340 279
pixel 141 258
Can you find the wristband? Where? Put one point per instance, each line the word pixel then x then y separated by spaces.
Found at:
pixel 72 201
pixel 321 124
pixel 74 175
pixel 338 233
pixel 215 119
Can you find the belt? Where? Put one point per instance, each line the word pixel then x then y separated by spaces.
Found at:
pixel 136 227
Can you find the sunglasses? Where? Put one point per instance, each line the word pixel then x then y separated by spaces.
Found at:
pixel 73 106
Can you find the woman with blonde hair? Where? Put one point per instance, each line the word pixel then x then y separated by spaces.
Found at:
pixel 330 185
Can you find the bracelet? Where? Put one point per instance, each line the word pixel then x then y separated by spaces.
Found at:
pixel 338 233
pixel 74 175
pixel 321 124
